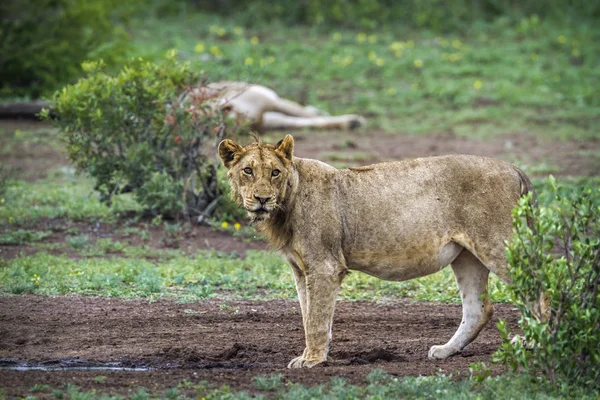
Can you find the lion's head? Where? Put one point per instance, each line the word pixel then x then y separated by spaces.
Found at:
pixel 259 175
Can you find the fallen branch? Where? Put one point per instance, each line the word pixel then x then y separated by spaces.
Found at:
pixel 26 110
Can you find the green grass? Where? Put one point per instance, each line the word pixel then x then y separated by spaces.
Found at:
pixel 261 275
pixel 378 385
pixel 63 195
pixel 497 78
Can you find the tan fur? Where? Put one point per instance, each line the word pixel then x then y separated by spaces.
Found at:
pixel 397 221
pixel 265 110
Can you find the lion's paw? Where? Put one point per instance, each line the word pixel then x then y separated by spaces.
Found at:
pixel 301 362
pixel 356 121
pixel 440 352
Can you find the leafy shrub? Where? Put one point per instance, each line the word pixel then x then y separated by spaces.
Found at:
pixel 560 257
pixel 134 132
pixel 44 41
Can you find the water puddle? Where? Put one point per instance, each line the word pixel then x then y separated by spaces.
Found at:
pixel 70 364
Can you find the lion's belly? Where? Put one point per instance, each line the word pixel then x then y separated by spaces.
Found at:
pixel 403 264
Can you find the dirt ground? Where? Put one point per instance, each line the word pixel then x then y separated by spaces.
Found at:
pixel 221 345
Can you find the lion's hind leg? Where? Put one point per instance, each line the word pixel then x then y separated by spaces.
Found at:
pixel 472 279
pixel 276 120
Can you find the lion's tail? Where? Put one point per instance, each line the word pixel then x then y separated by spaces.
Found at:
pixel 526 188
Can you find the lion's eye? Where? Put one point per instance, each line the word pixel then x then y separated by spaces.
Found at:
pixel 248 171
pixel 275 172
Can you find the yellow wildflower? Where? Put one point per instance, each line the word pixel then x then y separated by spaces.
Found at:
pixel 454 57
pixel 372 39
pixel 418 63
pixel 576 52
pixel 336 37
pixel 11 220
pixel 199 48
pixel 456 44
pixel 361 37
pixel 391 91
pixel 477 84
pixel 224 224
pixel 18 133
pixel 396 46
pixel 249 61
pixel 561 39
pixel 237 226
pixel 254 41
pixel 372 55
pixel 215 51
pixel 379 62
pixel 238 31
pixel 347 61
pixel 2 201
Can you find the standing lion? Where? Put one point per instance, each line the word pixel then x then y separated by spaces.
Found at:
pixel 438 211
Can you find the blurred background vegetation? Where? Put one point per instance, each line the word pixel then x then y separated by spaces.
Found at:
pixel 44 42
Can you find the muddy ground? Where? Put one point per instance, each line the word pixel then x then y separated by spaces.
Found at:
pixel 223 345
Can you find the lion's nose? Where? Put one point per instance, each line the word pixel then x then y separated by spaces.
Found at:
pixel 262 200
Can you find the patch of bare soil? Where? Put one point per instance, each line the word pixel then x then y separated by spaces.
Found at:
pixel 221 345
pixel 31 159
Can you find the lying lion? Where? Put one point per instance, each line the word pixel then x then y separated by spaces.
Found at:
pixel 396 221
pixel 264 109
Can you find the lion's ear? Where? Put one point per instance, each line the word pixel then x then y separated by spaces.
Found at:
pixel 227 151
pixel 286 147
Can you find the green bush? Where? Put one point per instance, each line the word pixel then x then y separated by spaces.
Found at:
pixel 134 132
pixel 43 42
pixel 558 255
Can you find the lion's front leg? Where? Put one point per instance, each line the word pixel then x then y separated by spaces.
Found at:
pixel 321 292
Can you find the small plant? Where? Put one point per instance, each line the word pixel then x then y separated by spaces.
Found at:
pixel 38 387
pixel 558 255
pixel 144 131
pixel 268 383
pixel 479 372
pixel 78 242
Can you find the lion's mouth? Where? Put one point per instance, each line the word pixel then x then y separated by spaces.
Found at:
pixel 259 214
